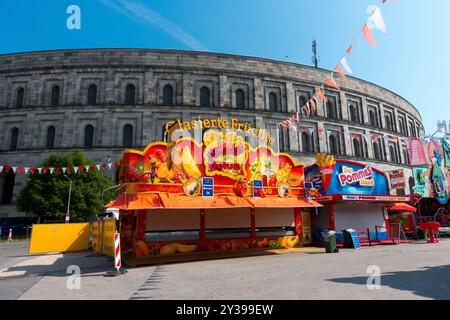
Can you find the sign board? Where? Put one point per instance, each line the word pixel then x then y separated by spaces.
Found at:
pixel 397 179
pixel 257 185
pixel 355 239
pixel 207 187
pixel 375 198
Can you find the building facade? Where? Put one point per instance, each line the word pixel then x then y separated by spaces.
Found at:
pixel 104 100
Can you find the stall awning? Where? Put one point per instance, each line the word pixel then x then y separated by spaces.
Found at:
pixel 402 207
pixel 216 202
pixel 276 202
pixel 136 202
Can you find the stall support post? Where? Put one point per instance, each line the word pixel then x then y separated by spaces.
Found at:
pixel 386 221
pixel 202 227
pixel 253 222
pixel 298 222
pixel 331 216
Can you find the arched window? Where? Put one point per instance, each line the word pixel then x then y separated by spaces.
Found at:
pixel 376 151
pixel 8 187
pixel 405 156
pixel 89 136
pixel 353 114
pixel 331 110
pixel 372 118
pixel 92 95
pixel 333 146
pixel 168 95
pixel 19 97
pixel 130 94
pixel 54 101
pixel 273 102
pixel 284 143
pixel 388 122
pixel 14 139
pixel 50 141
pixel 205 97
pixel 357 148
pixel 240 99
pixel 128 135
pixel 306 142
pixel 393 154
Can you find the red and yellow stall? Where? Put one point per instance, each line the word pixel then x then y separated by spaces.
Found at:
pixel 221 195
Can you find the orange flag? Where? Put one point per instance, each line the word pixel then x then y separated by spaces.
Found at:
pixel 341 72
pixel 368 35
pixel 322 95
pixel 330 82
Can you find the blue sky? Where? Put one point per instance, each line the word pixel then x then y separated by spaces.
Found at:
pixel 412 59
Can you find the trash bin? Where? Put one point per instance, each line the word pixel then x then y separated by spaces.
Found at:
pixel 329 238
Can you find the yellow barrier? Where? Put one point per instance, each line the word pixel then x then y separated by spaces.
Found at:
pixel 64 237
pixel 109 228
pixel 96 236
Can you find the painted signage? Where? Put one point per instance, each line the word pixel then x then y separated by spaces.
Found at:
pixel 233 164
pixel 347 177
pixel 397 179
pixel 207 187
pixel 222 124
pixel 362 176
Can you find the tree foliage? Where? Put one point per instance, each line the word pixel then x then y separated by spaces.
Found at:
pixel 46 195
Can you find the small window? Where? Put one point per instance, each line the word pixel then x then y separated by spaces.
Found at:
pixel 302 101
pixel 357 148
pixel 130 95
pixel 92 95
pixel 128 135
pixel 168 95
pixel 273 102
pixel 240 99
pixel 388 122
pixel 89 136
pixel 331 110
pixel 284 139
pixel 393 154
pixel 19 97
pixel 50 141
pixel 376 150
pixel 54 101
pixel 372 119
pixel 333 145
pixel 205 97
pixel 405 156
pixel 14 139
pixel 306 142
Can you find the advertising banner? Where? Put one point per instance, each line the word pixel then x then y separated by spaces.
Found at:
pixel 416 152
pixel 445 142
pixel 422 183
pixel 397 179
pixel 347 177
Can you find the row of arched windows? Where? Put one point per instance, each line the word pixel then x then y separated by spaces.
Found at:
pixel 88 138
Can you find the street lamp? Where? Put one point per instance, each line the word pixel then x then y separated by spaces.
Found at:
pixel 68 201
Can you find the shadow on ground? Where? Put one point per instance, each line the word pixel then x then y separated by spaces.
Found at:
pixel 428 282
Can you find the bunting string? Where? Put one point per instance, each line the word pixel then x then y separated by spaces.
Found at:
pixel 374 21
pixel 57 170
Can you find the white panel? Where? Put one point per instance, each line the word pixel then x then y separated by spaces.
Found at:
pixel 159 220
pixel 274 217
pixel 227 218
pixel 351 215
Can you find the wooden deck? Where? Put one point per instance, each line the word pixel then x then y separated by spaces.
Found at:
pixel 205 255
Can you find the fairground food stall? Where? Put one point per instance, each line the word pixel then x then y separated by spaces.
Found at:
pixel 218 195
pixel 354 195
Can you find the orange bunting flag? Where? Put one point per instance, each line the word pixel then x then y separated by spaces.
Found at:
pixel 368 35
pixel 330 82
pixel 341 72
pixel 349 50
pixel 322 95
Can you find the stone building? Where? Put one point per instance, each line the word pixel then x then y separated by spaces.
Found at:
pixel 103 100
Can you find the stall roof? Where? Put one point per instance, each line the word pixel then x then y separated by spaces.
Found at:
pixel 402 207
pixel 170 201
pixel 276 202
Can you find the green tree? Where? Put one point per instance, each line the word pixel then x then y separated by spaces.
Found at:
pixel 46 195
